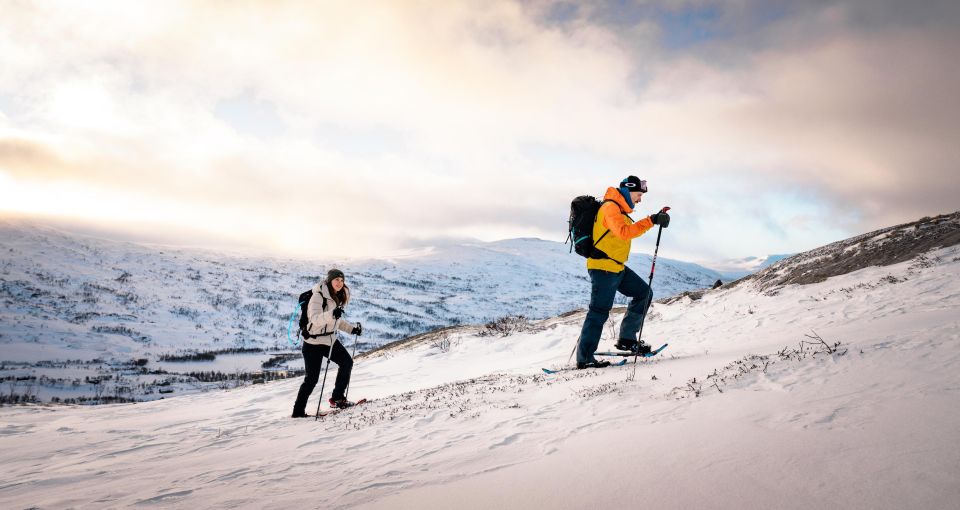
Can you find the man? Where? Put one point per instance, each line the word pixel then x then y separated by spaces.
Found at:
pixel 613 230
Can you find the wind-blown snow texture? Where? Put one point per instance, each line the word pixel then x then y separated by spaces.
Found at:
pixel 738 414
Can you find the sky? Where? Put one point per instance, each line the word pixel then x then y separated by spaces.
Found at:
pixel 315 129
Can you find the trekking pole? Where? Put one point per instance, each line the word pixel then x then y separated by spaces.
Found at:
pixel 653 266
pixel 329 355
pixel 575 347
pixel 356 338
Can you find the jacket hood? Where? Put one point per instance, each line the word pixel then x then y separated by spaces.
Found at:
pixel 614 194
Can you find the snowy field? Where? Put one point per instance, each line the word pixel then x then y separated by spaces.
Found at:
pixel 736 413
pixel 75 308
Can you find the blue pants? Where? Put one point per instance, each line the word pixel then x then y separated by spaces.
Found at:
pixel 604 288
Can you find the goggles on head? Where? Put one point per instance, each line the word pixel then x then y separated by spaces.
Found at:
pixel 634 187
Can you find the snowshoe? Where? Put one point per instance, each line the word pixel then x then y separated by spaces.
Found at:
pixel 593 364
pixel 625 344
pixel 341 404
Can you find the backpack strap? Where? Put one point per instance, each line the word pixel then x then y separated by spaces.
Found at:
pixel 324 308
pixel 595 219
pixel 608 230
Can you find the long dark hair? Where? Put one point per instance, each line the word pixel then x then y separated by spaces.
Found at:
pixel 339 297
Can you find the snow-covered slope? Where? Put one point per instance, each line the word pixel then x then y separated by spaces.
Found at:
pixel 745 409
pixel 101 304
pixel 892 245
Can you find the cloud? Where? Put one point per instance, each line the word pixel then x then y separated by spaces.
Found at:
pixel 483 119
pixel 28 158
pixel 866 120
pixel 849 102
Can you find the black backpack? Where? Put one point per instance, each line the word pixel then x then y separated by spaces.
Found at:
pixel 304 301
pixel 583 213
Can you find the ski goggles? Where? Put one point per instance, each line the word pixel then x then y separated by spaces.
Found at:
pixel 634 187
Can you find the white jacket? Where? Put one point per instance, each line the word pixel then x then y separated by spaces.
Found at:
pixel 321 321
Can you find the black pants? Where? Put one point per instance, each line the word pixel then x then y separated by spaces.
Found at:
pixel 313 360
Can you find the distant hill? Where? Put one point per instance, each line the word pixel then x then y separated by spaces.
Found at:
pixel 917 241
pixel 883 247
pixel 66 296
pixel 734 269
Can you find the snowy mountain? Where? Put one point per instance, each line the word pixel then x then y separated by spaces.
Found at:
pixel 86 309
pixel 892 245
pixel 734 269
pixel 824 381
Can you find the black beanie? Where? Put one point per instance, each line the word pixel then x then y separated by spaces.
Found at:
pixel 634 183
pixel 333 274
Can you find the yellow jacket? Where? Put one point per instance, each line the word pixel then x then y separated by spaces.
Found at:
pixel 616 244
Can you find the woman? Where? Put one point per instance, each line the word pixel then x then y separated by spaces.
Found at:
pixel 325 312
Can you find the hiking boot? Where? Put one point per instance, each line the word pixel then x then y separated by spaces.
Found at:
pixel 341 404
pixel 626 344
pixel 593 364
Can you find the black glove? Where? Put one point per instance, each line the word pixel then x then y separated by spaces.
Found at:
pixel 661 218
pixel 357 330
pixel 338 312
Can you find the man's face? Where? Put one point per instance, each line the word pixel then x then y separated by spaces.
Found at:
pixel 636 196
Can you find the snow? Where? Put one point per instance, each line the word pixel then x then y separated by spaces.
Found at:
pixel 71 297
pixel 872 425
pixel 58 288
